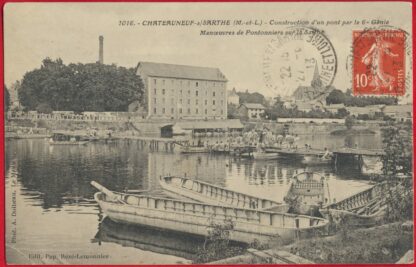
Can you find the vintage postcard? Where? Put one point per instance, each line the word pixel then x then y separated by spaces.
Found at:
pixel 208 133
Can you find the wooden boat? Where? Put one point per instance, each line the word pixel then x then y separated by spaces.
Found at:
pixel 216 195
pixel 365 208
pixel 264 155
pixel 307 192
pixel 198 218
pixel 316 160
pixel 13 135
pixel 191 149
pixel 66 138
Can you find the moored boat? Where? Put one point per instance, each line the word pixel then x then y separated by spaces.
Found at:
pixel 191 149
pixel 365 208
pixel 198 218
pixel 307 192
pixel 67 138
pixel 216 195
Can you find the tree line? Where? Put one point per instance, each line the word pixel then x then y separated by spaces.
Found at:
pixel 79 87
pixel 338 97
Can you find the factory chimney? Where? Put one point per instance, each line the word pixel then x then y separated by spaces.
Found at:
pixel 101 51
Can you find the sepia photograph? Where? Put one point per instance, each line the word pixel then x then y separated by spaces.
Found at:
pixel 208 133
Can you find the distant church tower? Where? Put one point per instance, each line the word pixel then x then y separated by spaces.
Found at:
pixel 316 80
pixel 101 50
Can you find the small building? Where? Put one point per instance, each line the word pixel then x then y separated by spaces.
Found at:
pixel 333 108
pixel 210 126
pixel 367 110
pixel 233 98
pixel 251 111
pixel 307 106
pixel 399 113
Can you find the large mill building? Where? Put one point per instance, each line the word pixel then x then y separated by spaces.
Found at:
pixel 183 92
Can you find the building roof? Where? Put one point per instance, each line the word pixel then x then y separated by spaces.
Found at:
pixel 253 106
pixel 398 109
pixel 181 71
pixel 211 124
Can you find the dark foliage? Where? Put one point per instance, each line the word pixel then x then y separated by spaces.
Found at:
pixel 80 87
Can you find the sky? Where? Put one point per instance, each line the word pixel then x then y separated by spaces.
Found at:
pixel 34 31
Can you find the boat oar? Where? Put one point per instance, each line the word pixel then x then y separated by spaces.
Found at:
pixel 107 192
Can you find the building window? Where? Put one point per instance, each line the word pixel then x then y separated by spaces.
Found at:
pixel 154 110
pixel 180 100
pixel 189 92
pixel 213 93
pixel 172 110
pixel 163 82
pixel 155 100
pixel 172 91
pixel 222 112
pixel 172 81
pixel 180 110
pixel 196 92
pixel 154 81
pixel 189 111
pixel 180 91
pixel 180 82
pixel 206 102
pixel 163 110
pixel 189 83
pixel 155 90
pixel 196 84
pixel 196 102
pixel 222 102
pixel 172 101
pixel 189 101
pixel 163 91
pixel 163 100
pixel 206 111
pixel 196 111
pixel 213 102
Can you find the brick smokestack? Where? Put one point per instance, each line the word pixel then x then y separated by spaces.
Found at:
pixel 101 51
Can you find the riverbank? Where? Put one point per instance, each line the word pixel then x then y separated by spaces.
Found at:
pixel 381 244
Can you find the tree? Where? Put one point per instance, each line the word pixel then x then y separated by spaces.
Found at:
pixel 397 170
pixel 80 87
pixel 6 99
pixel 349 122
pixel 232 111
pixel 335 97
pixel 342 113
pixel 246 97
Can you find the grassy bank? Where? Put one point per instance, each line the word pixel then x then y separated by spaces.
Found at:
pixel 381 244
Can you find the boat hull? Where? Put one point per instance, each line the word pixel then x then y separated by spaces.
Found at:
pixel 192 149
pixel 215 195
pixel 196 218
pixel 66 143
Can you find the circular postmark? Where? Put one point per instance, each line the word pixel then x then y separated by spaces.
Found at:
pixel 301 57
pixel 380 61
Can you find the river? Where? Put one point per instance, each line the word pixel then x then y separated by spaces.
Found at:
pixel 50 208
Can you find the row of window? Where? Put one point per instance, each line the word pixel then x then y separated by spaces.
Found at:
pixel 189 92
pixel 188 83
pixel 172 111
pixel 189 101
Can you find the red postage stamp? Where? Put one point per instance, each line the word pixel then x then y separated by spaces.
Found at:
pixel 379 62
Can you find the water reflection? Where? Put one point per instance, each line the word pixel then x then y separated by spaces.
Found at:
pixel 148 239
pixel 56 181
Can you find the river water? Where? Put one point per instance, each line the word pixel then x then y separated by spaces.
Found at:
pixel 50 208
